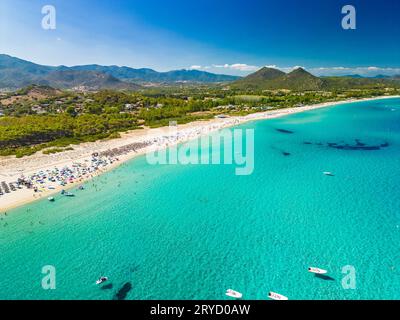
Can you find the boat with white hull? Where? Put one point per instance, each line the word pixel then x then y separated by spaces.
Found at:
pixel 101 280
pixel 233 294
pixel 317 270
pixel 277 296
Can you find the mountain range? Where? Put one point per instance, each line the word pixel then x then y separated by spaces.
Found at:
pixel 16 73
pixel 301 80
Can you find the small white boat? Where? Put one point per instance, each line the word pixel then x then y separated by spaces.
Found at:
pixel 233 294
pixel 317 270
pixel 277 296
pixel 101 280
pixel 327 173
pixel 51 199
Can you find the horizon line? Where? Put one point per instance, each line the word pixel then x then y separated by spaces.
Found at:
pixel 237 67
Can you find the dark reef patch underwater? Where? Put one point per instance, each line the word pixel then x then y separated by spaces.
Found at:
pixel 284 131
pixel 358 146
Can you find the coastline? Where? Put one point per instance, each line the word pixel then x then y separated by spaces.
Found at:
pixel 12 168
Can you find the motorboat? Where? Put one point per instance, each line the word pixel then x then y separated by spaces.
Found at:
pixel 51 199
pixel 101 280
pixel 317 270
pixel 276 296
pixel 233 294
pixel 327 173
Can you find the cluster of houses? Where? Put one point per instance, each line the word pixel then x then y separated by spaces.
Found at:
pixel 39 109
pixel 139 104
pixel 243 107
pixel 43 108
pixel 132 106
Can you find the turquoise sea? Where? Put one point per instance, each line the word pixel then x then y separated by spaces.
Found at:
pixel 191 232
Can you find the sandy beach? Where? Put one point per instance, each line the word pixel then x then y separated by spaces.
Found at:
pixel 130 145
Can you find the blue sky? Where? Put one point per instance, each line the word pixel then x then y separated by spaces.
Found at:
pixel 232 37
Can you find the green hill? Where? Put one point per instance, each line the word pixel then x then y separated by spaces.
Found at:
pixel 259 79
pixel 269 78
pixel 301 80
pixel 265 74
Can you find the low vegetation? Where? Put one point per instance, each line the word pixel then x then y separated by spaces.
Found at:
pixel 41 118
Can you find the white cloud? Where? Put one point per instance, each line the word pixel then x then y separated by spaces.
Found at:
pixel 237 66
pixel 289 69
pixel 333 68
pixel 362 71
pixel 219 65
pixel 195 67
pixel 243 67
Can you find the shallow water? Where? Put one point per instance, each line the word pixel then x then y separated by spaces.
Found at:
pixel 191 232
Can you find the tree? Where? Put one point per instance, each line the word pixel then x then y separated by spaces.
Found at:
pixel 71 111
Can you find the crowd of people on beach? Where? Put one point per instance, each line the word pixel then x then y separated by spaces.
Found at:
pixel 58 177
pixel 52 179
pixel 165 140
